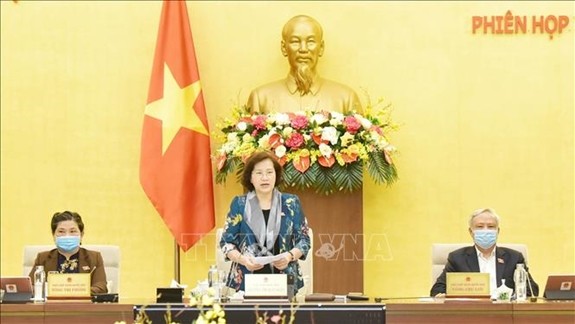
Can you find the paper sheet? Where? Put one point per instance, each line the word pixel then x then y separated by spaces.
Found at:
pixel 268 259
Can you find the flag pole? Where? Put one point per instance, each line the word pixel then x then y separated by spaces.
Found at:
pixel 176 261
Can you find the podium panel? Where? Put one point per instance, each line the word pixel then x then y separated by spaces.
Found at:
pixel 337 223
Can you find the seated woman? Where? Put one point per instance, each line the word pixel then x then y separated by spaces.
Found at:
pixel 68 256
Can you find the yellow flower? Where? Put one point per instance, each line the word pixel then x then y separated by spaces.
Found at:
pixel 207 300
pixel 352 149
pixel 346 139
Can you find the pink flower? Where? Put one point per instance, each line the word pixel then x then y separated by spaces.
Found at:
pixel 352 125
pixel 376 129
pixel 299 122
pixel 295 140
pixel 260 122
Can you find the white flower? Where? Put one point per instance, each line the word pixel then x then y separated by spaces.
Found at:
pixel 282 119
pixel 229 147
pixel 380 141
pixel 336 118
pixel 329 134
pixel 280 151
pixel 263 142
pixel 233 137
pixel 390 148
pixel 287 131
pixel 318 118
pixel 365 123
pixel 325 150
pixel 242 126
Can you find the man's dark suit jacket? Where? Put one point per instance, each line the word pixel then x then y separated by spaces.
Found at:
pixel 87 260
pixel 465 260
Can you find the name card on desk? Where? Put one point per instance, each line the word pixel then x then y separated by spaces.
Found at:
pixel 261 286
pixel 467 284
pixel 68 285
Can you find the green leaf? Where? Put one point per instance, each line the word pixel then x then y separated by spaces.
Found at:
pixel 229 167
pixel 348 177
pixel 325 182
pixel 380 170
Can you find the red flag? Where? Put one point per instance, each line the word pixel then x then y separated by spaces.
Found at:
pixel 175 166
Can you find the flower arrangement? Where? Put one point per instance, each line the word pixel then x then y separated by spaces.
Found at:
pixel 322 150
pixel 214 315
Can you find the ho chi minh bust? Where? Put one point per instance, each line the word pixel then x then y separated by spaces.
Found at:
pixel 302 43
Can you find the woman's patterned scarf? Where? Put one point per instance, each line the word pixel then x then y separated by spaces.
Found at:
pixel 266 237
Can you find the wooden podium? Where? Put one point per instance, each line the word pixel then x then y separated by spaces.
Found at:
pixel 337 223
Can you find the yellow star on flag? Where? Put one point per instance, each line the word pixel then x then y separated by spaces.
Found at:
pixel 176 108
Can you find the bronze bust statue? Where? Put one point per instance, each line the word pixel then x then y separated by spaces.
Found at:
pixel 303 89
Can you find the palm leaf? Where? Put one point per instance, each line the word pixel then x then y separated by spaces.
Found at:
pixel 229 167
pixel 325 182
pixel 380 170
pixel 349 177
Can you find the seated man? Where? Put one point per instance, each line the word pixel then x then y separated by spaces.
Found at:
pixel 68 257
pixel 484 256
pixel 303 88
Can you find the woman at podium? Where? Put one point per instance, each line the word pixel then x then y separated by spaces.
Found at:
pixel 264 222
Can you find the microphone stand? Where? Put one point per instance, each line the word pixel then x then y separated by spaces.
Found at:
pixel 233 268
pixel 531 298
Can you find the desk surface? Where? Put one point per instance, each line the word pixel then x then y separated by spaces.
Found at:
pixel 66 312
pixel 413 311
pixel 395 311
pixel 304 313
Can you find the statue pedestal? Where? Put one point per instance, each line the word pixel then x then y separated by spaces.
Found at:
pixel 337 224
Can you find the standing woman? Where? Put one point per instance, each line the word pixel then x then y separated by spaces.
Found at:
pixel 68 256
pixel 264 222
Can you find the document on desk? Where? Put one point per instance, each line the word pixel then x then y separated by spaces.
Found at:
pixel 268 259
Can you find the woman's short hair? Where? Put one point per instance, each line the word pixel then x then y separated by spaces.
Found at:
pixel 66 216
pixel 251 163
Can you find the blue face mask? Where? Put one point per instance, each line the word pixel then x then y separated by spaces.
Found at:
pixel 485 238
pixel 67 243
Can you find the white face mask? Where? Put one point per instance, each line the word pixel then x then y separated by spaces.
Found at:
pixel 485 238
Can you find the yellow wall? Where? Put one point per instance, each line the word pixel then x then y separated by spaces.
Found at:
pixel 487 120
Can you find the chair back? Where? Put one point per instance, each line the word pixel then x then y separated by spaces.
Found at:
pixel 440 251
pixel 110 254
pixel 306 266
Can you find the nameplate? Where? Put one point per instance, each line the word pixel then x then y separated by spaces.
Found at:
pixel 68 285
pixel 261 286
pixel 467 284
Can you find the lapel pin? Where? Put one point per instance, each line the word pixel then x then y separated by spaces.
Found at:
pixel 500 260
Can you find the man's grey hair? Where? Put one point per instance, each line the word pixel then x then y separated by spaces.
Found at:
pixel 480 211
